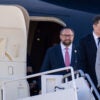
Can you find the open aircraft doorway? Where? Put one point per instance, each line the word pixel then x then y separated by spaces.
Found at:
pixel 43 33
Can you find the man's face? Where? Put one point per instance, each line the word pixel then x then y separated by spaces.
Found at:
pixel 96 28
pixel 66 37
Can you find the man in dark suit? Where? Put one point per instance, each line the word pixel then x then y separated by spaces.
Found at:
pixel 88 49
pixel 55 56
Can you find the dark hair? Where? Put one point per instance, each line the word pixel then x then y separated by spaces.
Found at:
pixel 66 28
pixel 96 19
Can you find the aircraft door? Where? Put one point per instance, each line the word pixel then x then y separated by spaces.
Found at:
pixel 13 49
pixel 13 42
pixel 43 33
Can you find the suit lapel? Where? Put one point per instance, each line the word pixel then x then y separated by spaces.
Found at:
pixel 60 59
pixel 73 56
pixel 91 43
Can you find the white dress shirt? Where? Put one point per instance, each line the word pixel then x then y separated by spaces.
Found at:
pixel 63 49
pixel 96 39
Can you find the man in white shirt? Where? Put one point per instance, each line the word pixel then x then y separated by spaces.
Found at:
pixel 88 50
pixel 55 56
pixel 97 65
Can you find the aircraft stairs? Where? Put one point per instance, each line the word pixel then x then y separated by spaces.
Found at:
pixel 80 87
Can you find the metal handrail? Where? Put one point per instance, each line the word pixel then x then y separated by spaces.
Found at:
pixel 93 86
pixel 39 74
pixel 75 72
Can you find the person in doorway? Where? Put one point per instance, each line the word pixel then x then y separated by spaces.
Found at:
pixel 63 54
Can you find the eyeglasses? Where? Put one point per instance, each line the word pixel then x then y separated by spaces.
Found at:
pixel 66 35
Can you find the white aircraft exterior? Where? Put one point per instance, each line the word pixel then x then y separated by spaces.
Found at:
pixel 16 38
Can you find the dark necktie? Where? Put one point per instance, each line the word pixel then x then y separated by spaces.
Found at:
pixel 98 40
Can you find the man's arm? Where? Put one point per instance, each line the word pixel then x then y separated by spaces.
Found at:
pixel 82 58
pixel 97 66
pixel 46 62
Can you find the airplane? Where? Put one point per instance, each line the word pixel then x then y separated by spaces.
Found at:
pixel 45 16
pixel 90 6
pixel 46 20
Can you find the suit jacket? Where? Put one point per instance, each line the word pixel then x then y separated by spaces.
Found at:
pixel 97 66
pixel 87 56
pixel 54 59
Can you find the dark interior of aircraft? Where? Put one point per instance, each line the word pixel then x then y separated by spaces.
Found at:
pixel 42 36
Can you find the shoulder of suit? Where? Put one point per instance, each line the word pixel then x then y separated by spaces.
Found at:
pixel 75 47
pixel 87 37
pixel 54 47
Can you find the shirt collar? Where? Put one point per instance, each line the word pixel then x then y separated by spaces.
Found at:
pixel 94 35
pixel 64 47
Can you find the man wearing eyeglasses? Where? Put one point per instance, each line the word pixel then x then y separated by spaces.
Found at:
pixel 63 54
